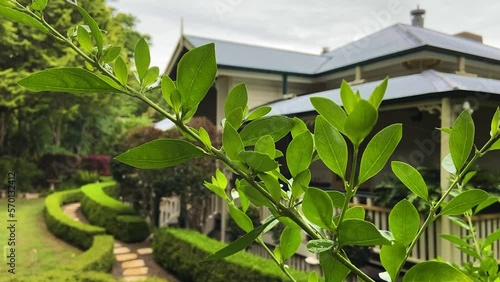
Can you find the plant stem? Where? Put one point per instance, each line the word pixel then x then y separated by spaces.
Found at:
pixel 349 187
pixel 271 254
pixel 473 233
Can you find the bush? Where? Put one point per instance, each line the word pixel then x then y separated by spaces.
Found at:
pixel 59 166
pixel 62 226
pixel 27 173
pixel 99 257
pixel 83 177
pixel 97 163
pixel 105 211
pixel 181 250
pixel 68 276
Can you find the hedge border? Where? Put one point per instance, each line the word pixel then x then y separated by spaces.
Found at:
pixel 181 250
pixel 99 257
pixel 105 211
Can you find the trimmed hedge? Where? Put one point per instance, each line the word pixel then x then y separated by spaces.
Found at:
pixel 67 276
pixel 181 250
pixel 99 257
pixel 62 226
pixel 117 218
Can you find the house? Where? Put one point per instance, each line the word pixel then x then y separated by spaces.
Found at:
pixel 433 77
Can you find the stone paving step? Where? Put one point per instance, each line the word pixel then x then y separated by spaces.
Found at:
pixel 133 263
pixel 135 271
pixel 117 245
pixel 126 257
pixel 135 278
pixel 145 251
pixel 121 250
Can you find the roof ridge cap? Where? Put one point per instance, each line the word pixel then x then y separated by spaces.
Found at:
pixel 409 32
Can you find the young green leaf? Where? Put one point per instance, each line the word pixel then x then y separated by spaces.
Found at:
pixel 464 202
pixel 272 186
pixel 360 122
pixel 313 277
pixel 318 208
pixel 334 270
pixel 231 142
pixel 167 86
pixel 196 74
pixel 461 139
pixel 392 257
pixel 455 240
pixel 495 146
pixel 486 203
pixel 237 98
pixel 258 113
pixel 39 5
pixel 378 94
pixel 110 54
pixel 121 71
pixel 411 178
pixel 221 179
pixel 299 127
pixel 431 271
pixel 299 153
pixel 94 29
pixel 265 145
pixel 142 58
pixel 492 237
pixel 235 118
pixel 348 97
pixel 495 122
pixel 205 138
pixel 258 161
pixel 84 39
pixel 73 80
pixel 360 233
pixel 276 126
pixel 378 151
pixel 22 18
pixel 300 183
pixel 254 196
pixel 460 222
pixel 160 153
pixel 331 146
pixel 355 213
pixel 338 198
pixel 176 99
pixel 241 219
pixel 404 221
pixel 151 76
pixel 290 240
pixel 238 244
pixel 448 165
pixel 332 112
pixel 217 190
pixel 319 245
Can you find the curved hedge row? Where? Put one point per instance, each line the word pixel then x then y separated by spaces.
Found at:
pixel 99 257
pixel 117 218
pixel 62 226
pixel 181 250
pixel 68 276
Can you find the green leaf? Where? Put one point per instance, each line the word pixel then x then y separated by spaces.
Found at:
pixel 84 39
pixel 258 161
pixel 142 58
pixel 355 213
pixel 495 146
pixel 176 99
pixel 110 54
pixel 237 98
pixel 495 122
pixel 348 97
pixel 318 208
pixel 39 5
pixel 461 139
pixel 272 186
pixel 431 271
pixel 290 240
pixel 241 219
pixel 94 29
pixel 338 198
pixel 331 146
pixel 486 203
pixel 300 183
pixel 459 222
pixel 404 221
pixel 392 257
pixel 411 178
pixel 379 150
pixel 205 138
pixel 319 245
pixel 238 244
pixel 455 240
pixel 464 202
pixel 235 118
pixel 448 165
pixel 332 112
pixel 360 233
pixel 22 18
pixel 73 80
pixel 265 145
pixel 313 277
pixel 299 153
pixel 160 153
pixel 254 196
pixel 259 112
pixel 167 86
pixel 231 142
pixel 276 126
pixel 299 127
pixel 492 237
pixel 221 179
pixel 196 74
pixel 334 270
pixel 151 76
pixel 121 71
pixel 378 94
pixel 360 122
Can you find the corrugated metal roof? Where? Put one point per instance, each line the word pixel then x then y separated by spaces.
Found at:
pixel 391 40
pixel 427 82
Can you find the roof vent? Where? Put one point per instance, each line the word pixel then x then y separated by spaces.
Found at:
pixel 470 36
pixel 417 17
pixel 325 50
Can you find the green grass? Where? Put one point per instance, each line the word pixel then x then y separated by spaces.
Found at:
pixel 37 250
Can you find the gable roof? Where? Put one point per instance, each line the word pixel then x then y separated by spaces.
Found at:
pixel 396 39
pixel 428 82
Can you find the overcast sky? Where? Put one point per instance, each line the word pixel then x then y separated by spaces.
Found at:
pixel 304 26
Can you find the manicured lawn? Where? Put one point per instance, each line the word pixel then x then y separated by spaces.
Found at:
pixel 37 250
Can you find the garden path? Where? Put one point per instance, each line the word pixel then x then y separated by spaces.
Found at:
pixel 133 261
